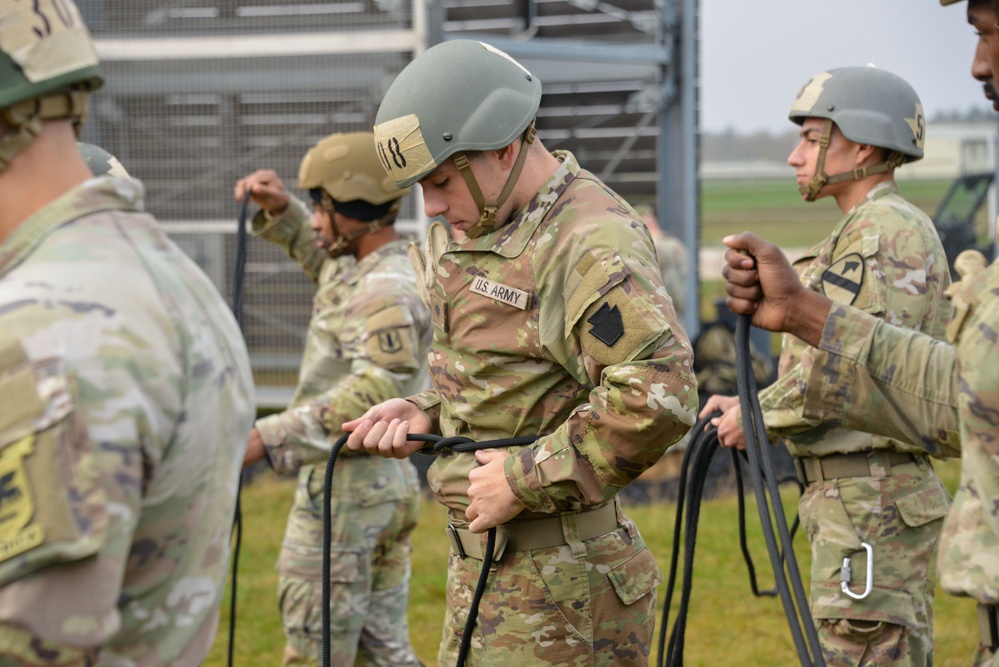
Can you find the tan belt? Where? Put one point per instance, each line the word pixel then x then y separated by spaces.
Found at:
pixel 988 626
pixel 533 534
pixel 857 464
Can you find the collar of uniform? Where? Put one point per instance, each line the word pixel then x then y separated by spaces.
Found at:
pixel 826 245
pixel 104 193
pixel 511 239
pixel 877 192
pixel 371 260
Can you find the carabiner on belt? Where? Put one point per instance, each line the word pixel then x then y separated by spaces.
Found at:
pixel 846 572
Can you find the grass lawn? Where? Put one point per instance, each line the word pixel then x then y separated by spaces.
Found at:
pixel 727 625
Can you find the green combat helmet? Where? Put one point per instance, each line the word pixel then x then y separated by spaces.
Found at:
pixel 457 96
pixel 101 162
pixel 869 106
pixel 48 66
pixel 344 175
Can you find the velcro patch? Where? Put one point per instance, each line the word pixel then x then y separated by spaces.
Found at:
pixel 401 148
pixel 46 39
pixel 841 282
pixel 511 296
pixel 608 326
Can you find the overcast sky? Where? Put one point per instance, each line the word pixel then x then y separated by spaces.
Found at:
pixel 756 55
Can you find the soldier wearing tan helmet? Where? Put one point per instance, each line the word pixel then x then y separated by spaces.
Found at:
pixel 125 388
pixel 550 320
pixel 367 342
pixel 873 506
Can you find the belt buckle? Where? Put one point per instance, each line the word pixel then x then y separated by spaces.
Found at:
pixel 452 534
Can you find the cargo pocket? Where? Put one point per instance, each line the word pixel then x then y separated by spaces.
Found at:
pixel 636 577
pixel 923 506
pixel 53 507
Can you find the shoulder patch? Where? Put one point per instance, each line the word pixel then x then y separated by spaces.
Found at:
pixel 841 282
pixel 608 326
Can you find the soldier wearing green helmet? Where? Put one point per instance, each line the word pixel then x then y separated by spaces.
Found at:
pixel 550 320
pixel 125 387
pixel 366 342
pixel 873 506
pixel 870 374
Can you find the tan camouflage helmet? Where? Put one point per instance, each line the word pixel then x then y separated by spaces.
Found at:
pixel 458 96
pixel 344 175
pixel 101 162
pixel 869 106
pixel 48 66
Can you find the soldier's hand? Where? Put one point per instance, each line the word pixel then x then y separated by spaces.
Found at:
pixel 765 286
pixel 729 432
pixel 492 501
pixel 267 191
pixel 255 449
pixel 718 403
pixel 382 430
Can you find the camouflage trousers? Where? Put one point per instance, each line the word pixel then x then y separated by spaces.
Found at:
pixel 591 605
pixel 374 512
pixel 899 513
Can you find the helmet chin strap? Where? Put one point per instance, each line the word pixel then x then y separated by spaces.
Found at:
pixel 487 211
pixel 820 179
pixel 338 246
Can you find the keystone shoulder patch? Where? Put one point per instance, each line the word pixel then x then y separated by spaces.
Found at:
pixel 608 326
pixel 841 282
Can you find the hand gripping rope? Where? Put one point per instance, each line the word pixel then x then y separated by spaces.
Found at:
pixel 440 444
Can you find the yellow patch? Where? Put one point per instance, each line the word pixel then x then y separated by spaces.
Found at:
pixel 841 282
pixel 918 125
pixel 401 148
pixel 46 38
pixel 17 505
pixel 810 92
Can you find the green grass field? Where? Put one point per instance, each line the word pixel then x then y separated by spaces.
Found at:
pixel 727 625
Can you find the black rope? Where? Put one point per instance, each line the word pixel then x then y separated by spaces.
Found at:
pixel 758 452
pixel 239 272
pixel 440 444
pixel 695 462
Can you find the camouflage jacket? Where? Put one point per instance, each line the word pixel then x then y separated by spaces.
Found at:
pixel 943 397
pixel 366 343
pixel 127 400
pixel 557 324
pixel 884 257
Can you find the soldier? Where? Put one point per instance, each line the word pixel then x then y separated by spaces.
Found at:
pixel 366 343
pixel 672 256
pixel 551 320
pixel 867 497
pixel 904 384
pixel 125 388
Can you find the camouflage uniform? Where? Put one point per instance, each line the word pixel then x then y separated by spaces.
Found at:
pixel 127 399
pixel 368 333
pixel 885 258
pixel 942 396
pixel 557 324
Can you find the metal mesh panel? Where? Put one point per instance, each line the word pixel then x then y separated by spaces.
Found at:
pixel 198 94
